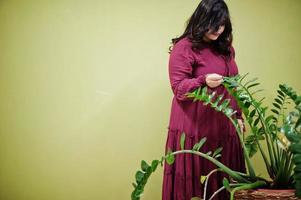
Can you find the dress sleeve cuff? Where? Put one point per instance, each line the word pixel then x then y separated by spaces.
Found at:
pixel 201 80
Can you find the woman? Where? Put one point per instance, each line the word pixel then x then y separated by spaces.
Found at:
pixel 201 57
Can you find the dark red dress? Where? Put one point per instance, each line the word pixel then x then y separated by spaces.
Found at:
pixel 187 70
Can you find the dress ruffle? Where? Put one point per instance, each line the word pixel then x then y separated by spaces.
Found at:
pixel 182 178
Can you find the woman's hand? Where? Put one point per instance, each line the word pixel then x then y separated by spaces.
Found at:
pixel 241 125
pixel 214 80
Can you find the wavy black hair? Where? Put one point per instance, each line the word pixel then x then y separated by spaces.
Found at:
pixel 210 14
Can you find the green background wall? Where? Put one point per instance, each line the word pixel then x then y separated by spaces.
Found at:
pixel 85 93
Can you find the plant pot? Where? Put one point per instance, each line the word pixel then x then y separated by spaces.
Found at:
pixel 266 194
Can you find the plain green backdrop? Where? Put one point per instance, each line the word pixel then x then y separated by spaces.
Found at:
pixel 85 94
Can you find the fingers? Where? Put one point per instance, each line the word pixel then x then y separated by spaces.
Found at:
pixel 241 125
pixel 214 77
pixel 213 80
pixel 214 84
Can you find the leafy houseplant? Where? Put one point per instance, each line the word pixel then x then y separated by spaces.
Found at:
pixel 280 132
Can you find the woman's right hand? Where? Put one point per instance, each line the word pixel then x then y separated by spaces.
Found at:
pixel 213 80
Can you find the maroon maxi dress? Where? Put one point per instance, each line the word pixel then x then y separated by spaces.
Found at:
pixel 187 70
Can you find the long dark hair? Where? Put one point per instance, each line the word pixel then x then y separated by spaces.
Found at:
pixel 210 14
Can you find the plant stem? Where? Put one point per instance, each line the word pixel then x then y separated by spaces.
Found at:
pixel 206 182
pixel 267 164
pixel 216 192
pixel 265 132
pixel 225 169
pixel 246 187
pixel 246 155
pixel 222 188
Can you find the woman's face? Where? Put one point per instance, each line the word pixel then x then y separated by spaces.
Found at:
pixel 210 35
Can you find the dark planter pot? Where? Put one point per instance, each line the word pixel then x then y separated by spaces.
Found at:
pixel 266 194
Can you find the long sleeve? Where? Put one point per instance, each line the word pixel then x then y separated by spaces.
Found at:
pixel 180 71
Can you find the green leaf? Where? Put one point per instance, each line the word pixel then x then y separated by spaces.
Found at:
pixel 218 99
pixel 196 94
pixel 287 129
pixel 195 198
pixel 182 141
pixel 269 118
pixel 276 105
pixel 297 159
pixel 294 96
pixel 256 121
pixel 275 111
pixel 278 101
pixel 210 97
pixel 228 111
pixel 224 104
pixel 260 101
pixel 204 91
pixel 250 120
pixel 295 148
pixel 250 81
pixel 226 184
pixel 190 94
pixel 198 91
pixel 247 104
pixel 217 156
pixel 263 110
pixel 144 166
pixel 139 176
pixel 252 149
pixel 298 100
pixel 203 179
pixel 242 78
pixel 281 93
pixel 253 85
pixel 170 158
pixel 198 145
pixel 217 151
pixel 252 113
pixel 298 123
pixel 155 165
pixel 260 90
pixel 275 119
pixel 280 97
pixel 149 171
pixel 293 138
pixel 250 139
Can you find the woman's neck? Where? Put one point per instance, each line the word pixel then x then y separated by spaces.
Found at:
pixel 205 39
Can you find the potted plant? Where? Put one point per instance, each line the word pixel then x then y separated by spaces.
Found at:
pixel 280 131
